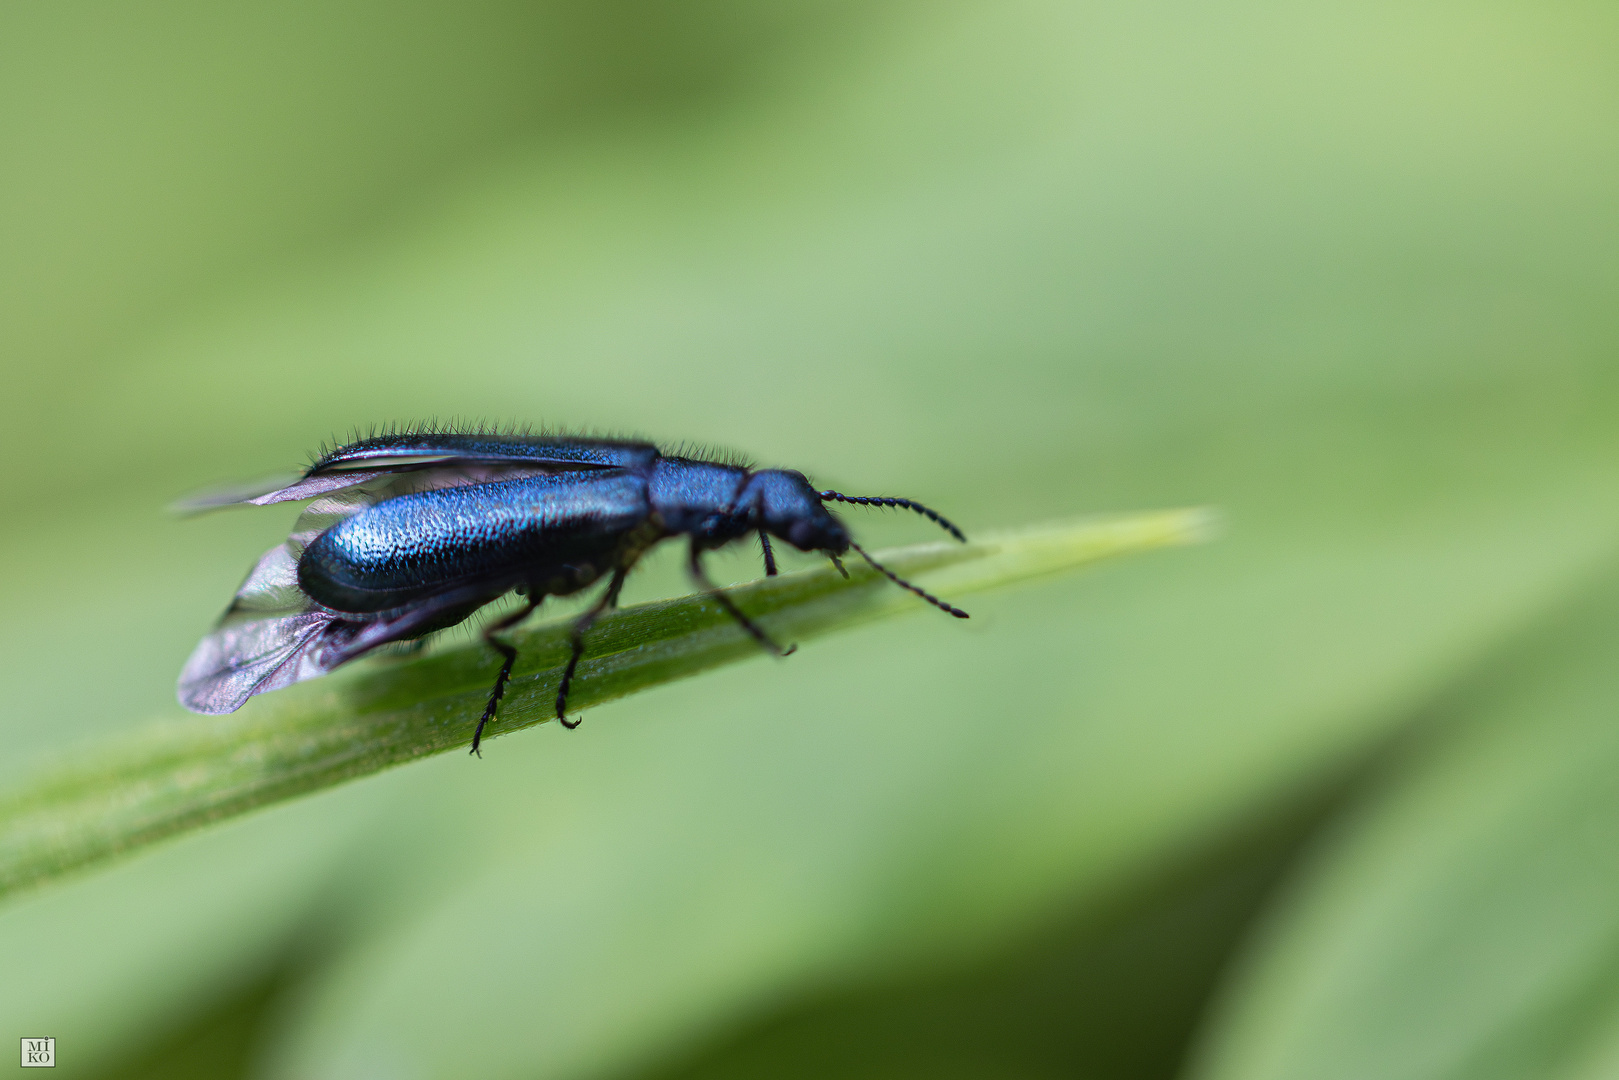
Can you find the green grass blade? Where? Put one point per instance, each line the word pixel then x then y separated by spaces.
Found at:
pixel 178 775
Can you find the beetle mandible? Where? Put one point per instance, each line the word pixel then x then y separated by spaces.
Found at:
pixel 413 530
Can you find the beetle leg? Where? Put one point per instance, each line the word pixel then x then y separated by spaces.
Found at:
pixel 695 565
pixel 770 556
pixel 510 654
pixel 609 599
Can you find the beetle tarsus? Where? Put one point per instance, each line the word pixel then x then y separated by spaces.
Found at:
pixel 510 654
pixel 609 599
pixel 695 565
pixel 494 696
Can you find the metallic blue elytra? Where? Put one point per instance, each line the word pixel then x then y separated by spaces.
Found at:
pixel 504 534
pixel 413 531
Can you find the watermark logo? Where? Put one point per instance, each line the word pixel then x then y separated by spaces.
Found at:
pixel 39 1053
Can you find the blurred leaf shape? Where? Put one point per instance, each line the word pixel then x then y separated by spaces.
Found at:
pixel 180 775
pixel 1465 920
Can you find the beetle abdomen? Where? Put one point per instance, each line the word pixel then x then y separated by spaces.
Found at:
pixel 502 533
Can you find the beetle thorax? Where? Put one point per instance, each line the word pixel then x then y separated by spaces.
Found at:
pixel 701 499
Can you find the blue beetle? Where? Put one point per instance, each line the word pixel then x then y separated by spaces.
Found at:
pixel 413 530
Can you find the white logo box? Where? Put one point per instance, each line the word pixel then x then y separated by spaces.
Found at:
pixel 39 1053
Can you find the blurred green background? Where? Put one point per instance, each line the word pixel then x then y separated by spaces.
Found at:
pixel 1337 796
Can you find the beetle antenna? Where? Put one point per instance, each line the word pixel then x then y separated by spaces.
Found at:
pixel 902 583
pixel 883 500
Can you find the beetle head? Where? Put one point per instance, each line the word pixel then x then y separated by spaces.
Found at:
pixel 788 507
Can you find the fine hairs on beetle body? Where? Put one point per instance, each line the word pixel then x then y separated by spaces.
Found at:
pixel 413 530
